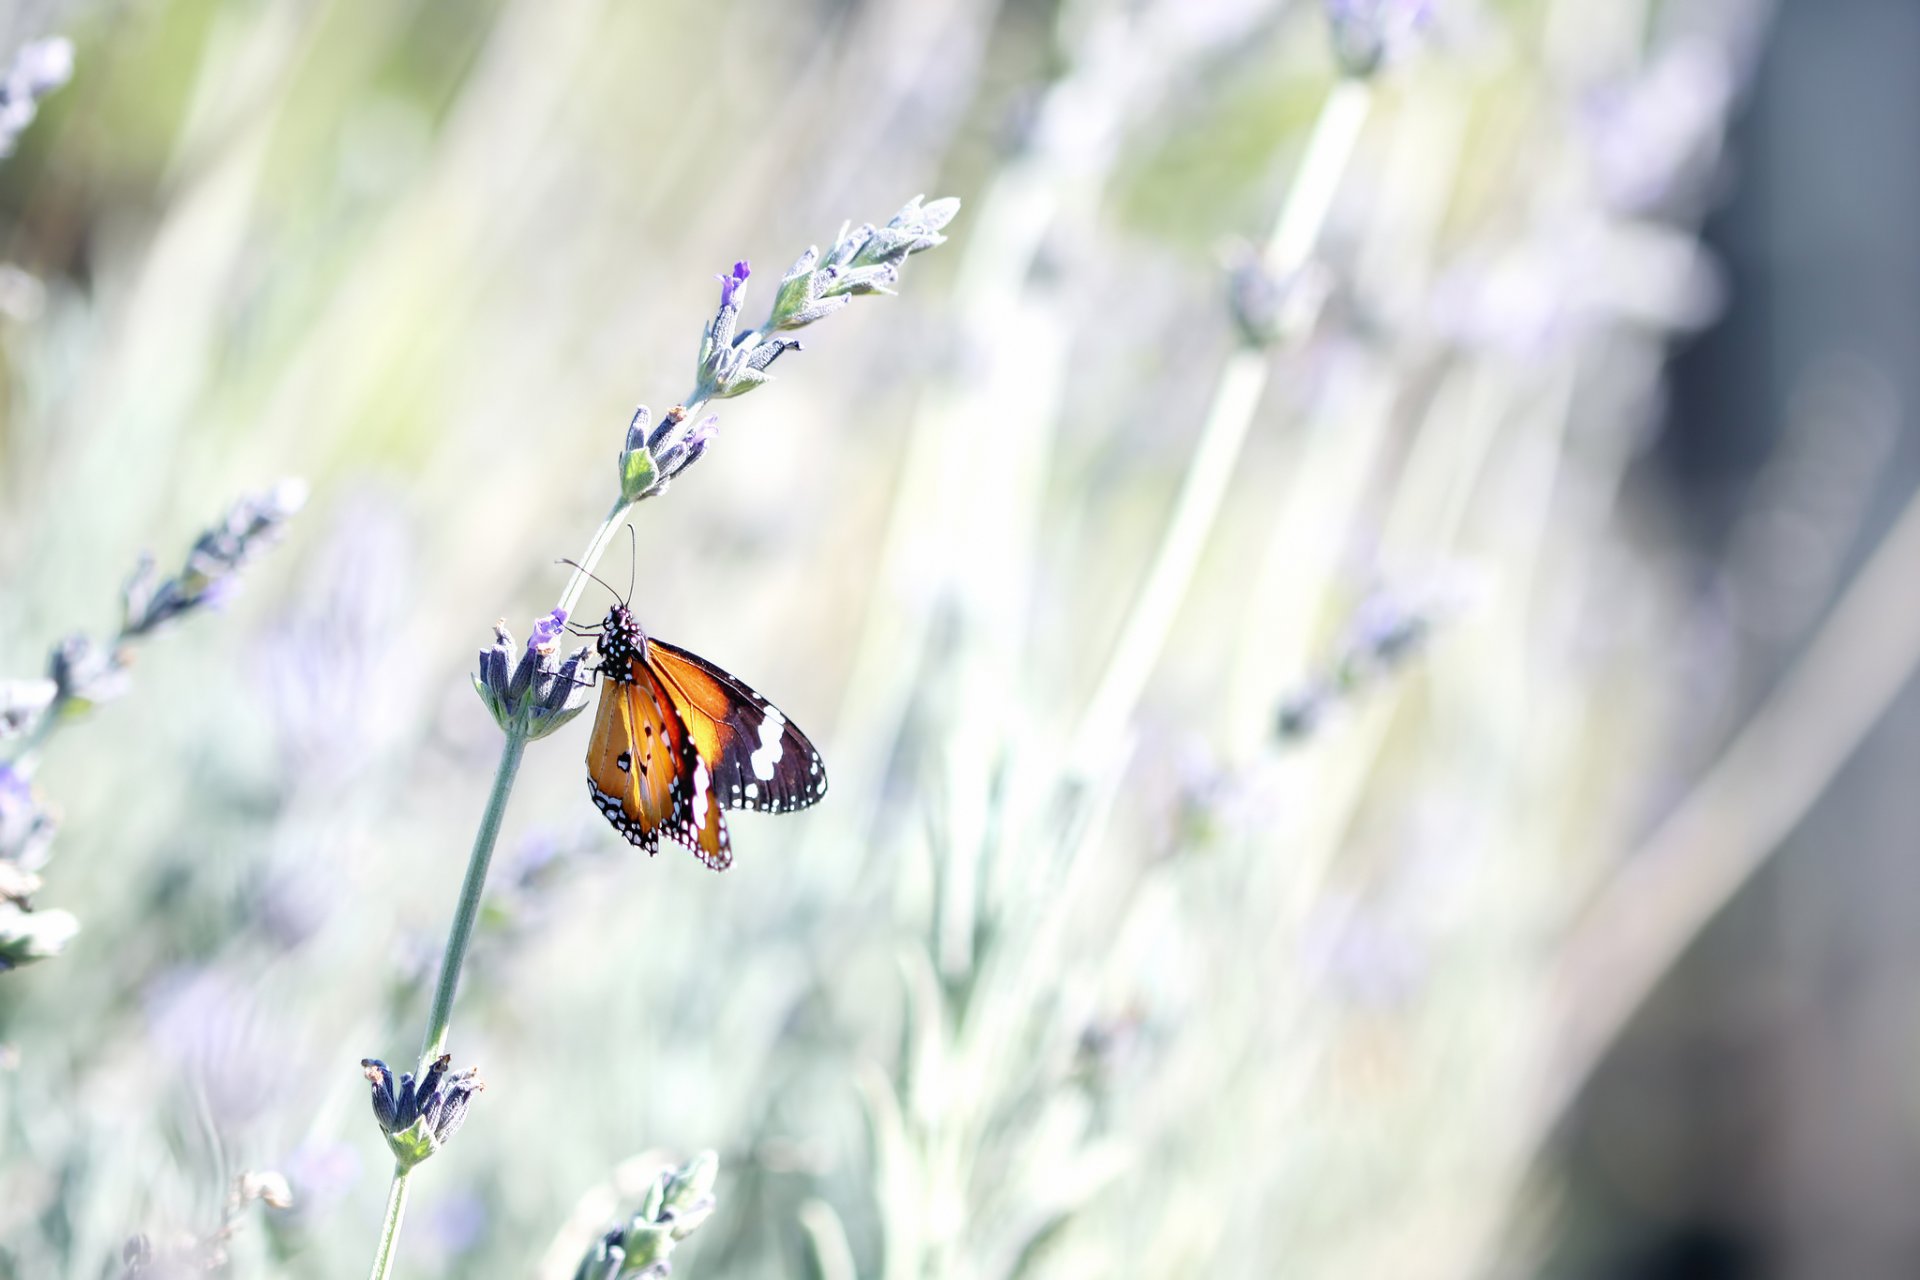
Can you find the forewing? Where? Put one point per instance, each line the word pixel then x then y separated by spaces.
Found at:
pixel 636 760
pixel 758 758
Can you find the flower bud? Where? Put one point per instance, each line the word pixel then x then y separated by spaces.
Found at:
pixel 533 690
pixel 418 1118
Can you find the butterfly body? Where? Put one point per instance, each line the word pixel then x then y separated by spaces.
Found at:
pixel 676 740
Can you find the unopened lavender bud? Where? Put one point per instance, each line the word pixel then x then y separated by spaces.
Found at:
pixel 637 435
pixel 860 281
pixel 767 352
pixel 848 247
pixel 385 1103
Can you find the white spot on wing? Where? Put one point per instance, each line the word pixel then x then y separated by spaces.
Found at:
pixel 768 754
pixel 699 794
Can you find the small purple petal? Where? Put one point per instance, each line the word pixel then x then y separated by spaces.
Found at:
pixel 730 284
pixel 546 630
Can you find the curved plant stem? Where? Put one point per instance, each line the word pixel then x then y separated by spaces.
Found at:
pixel 468 910
pixel 390 1229
pixel 459 934
pixel 596 548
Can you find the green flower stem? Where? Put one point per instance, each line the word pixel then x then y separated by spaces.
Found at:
pixel 603 536
pixel 1236 396
pixel 468 909
pixel 458 936
pixel 390 1230
pixel 570 598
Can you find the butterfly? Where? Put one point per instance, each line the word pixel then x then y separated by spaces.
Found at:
pixel 676 740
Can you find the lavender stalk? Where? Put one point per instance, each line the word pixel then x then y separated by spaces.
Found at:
pixel 532 694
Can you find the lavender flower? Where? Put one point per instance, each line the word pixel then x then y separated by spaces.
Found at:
pixel 677 1203
pixel 39 68
pixel 730 285
pixel 1386 633
pixel 534 691
pixel 419 1117
pixel 211 573
pixel 546 630
pixel 862 261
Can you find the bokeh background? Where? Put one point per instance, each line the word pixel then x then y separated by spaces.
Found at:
pixel 1294 729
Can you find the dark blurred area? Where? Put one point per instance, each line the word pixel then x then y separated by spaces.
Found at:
pixel 1761 1117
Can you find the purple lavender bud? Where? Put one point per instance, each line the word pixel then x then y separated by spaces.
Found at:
pixel 546 630
pixel 730 284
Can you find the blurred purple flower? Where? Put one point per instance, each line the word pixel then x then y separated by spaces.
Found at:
pixel 730 284
pixel 321 1174
pixel 455 1226
pixel 339 690
pixel 1653 136
pixel 213 1030
pixel 1364 953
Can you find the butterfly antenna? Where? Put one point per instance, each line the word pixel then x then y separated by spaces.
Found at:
pixel 633 560
pixel 591 574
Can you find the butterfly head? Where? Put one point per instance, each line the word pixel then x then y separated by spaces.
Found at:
pixel 622 642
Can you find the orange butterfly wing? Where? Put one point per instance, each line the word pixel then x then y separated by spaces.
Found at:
pixel 645 774
pixel 757 757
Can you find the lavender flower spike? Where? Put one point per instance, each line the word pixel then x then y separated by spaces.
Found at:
pixel 862 261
